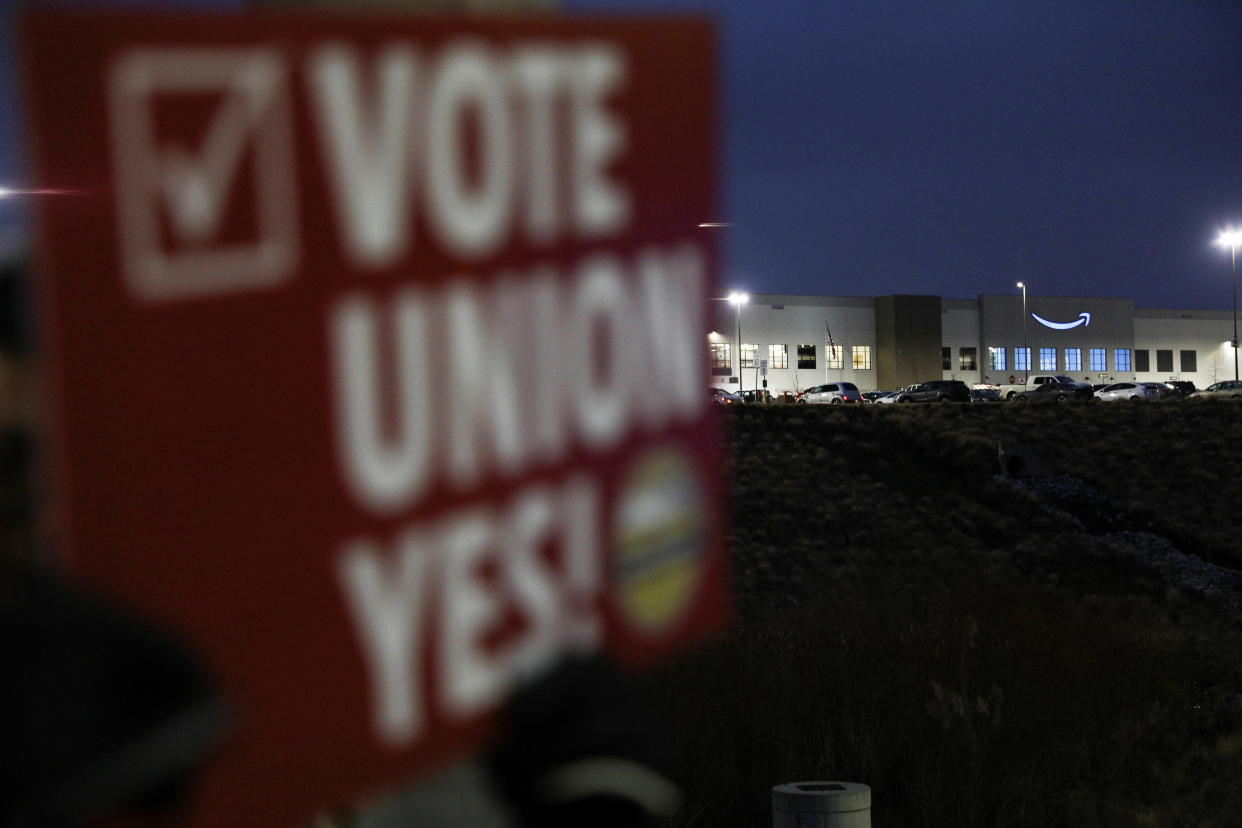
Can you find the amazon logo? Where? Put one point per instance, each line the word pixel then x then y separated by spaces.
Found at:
pixel 1083 319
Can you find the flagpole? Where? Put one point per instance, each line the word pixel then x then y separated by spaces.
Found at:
pixel 832 347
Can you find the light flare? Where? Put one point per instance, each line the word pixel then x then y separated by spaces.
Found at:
pixel 13 192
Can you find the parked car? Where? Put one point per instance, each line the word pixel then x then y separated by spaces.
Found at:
pixel 1182 388
pixel 834 393
pixel 872 396
pixel 1053 392
pixel 1031 382
pixel 719 396
pixel 756 395
pixel 1221 390
pixel 985 392
pixel 936 391
pixel 889 398
pixel 1136 391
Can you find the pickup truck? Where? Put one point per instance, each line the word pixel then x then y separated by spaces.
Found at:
pixel 1008 391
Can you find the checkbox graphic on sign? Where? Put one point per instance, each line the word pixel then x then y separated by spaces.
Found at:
pixel 203 161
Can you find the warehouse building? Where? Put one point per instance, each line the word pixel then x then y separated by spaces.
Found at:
pixel 888 342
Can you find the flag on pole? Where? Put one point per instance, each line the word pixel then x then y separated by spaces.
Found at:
pixel 832 346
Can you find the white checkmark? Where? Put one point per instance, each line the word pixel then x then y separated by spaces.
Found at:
pixel 176 196
pixel 196 186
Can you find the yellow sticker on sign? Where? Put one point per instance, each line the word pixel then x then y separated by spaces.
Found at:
pixel 659 536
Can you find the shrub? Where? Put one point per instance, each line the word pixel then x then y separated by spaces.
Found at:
pixel 906 620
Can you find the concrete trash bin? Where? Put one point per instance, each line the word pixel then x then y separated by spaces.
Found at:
pixel 821 805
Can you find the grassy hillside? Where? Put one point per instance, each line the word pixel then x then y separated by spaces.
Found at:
pixel 979 654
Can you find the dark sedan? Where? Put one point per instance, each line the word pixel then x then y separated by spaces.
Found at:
pixel 1054 392
pixel 936 391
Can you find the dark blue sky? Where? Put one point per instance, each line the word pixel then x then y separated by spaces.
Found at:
pixel 1087 147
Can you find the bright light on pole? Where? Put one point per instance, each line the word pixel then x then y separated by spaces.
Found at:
pixel 737 299
pixel 1231 238
pixel 1026 346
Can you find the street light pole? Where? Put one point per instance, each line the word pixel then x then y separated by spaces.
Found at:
pixel 1026 345
pixel 741 377
pixel 738 299
pixel 1232 238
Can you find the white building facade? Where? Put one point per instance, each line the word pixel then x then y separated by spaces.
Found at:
pixel 889 342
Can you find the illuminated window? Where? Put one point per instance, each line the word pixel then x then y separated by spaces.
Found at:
pixel 750 352
pixel 1073 359
pixel 1164 361
pixel 806 356
pixel 722 360
pixel 1142 360
pixel 966 359
pixel 996 359
pixel 1189 361
pixel 946 359
pixel 1098 359
pixel 778 356
pixel 1047 359
pixel 836 357
pixel 862 357
pixel 1121 359
pixel 1021 359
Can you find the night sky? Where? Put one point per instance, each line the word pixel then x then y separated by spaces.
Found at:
pixel 1087 147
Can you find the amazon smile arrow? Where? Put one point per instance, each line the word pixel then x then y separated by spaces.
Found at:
pixel 1084 319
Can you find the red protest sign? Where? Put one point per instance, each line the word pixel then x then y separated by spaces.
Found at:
pixel 376 350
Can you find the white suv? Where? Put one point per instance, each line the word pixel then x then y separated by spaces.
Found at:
pixel 835 393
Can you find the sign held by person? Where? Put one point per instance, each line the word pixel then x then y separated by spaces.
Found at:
pixel 376 352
